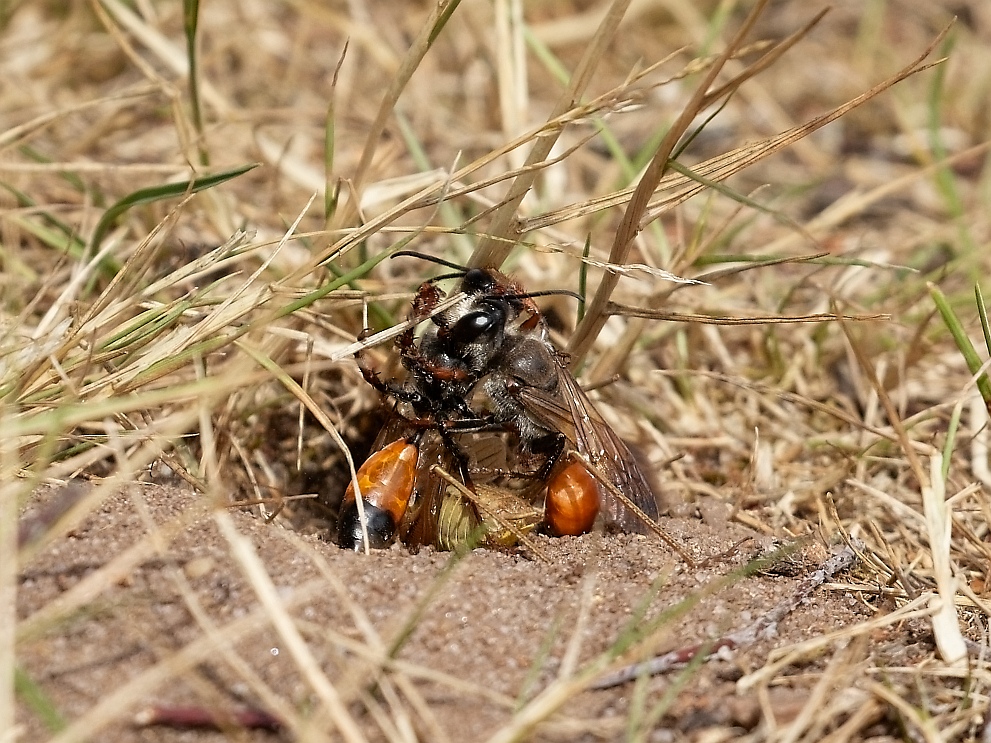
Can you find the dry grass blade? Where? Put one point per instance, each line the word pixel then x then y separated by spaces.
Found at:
pixel 93 586
pixel 894 419
pixel 857 203
pixel 283 716
pixel 15 135
pixel 626 311
pixel 763 63
pixel 493 249
pixel 747 156
pixel 561 690
pixel 741 637
pixel 8 573
pixel 200 650
pixel 632 223
pixel 284 625
pixel 939 519
pixel 319 414
pixel 795 654
pixel 840 671
pixel 946 625
pixel 594 317
pixel 158 344
pixel 921 725
pixel 421 45
pixel 680 187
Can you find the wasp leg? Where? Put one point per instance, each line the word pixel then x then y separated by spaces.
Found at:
pixel 550 448
pixel 387 389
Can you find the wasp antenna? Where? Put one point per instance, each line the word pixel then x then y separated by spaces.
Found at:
pixel 547 293
pixel 445 276
pixel 461 270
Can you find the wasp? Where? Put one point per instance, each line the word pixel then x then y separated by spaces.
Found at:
pixel 443 367
pixel 410 495
pixel 486 363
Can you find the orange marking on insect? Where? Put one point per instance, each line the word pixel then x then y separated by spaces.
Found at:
pixel 572 501
pixel 386 478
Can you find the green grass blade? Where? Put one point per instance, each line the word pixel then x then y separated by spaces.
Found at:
pixel 962 340
pixel 562 75
pixel 690 137
pixel 343 280
pixel 461 244
pixel 332 185
pixel 583 277
pixel 71 243
pixel 739 197
pixel 190 19
pixel 32 153
pixel 628 167
pixel 160 193
pixel 54 238
pixel 424 40
pixel 982 311
pixel 34 697
pixel 146 325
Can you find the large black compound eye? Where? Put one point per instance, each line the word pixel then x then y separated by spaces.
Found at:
pixel 477 281
pixel 476 324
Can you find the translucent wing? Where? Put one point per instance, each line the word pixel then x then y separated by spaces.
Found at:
pixel 420 526
pixel 569 411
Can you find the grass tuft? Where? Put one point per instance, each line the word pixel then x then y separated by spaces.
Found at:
pixel 765 214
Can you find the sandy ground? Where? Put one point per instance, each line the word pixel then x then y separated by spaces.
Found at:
pixel 498 627
pixel 144 602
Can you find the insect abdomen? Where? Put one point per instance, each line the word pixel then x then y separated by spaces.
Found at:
pixel 572 503
pixel 386 481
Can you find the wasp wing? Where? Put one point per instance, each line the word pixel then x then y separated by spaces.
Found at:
pixel 569 411
pixel 420 527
